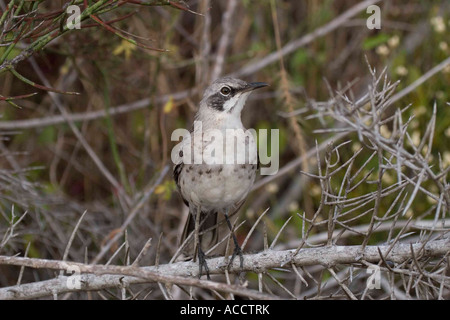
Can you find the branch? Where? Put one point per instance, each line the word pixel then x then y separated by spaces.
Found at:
pixel 250 69
pixel 97 277
pixel 306 39
pixel 227 28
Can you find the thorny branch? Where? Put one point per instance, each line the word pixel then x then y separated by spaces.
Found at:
pixel 389 169
pixel 96 277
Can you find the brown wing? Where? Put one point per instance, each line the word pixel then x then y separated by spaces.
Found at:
pixel 176 176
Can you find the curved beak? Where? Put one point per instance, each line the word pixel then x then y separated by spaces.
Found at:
pixel 255 85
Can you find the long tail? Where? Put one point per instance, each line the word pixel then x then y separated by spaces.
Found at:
pixel 208 220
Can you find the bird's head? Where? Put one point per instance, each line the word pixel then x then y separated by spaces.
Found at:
pixel 227 96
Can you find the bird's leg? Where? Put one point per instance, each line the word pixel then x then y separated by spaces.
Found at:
pixel 202 264
pixel 237 249
pixel 196 232
pixel 198 252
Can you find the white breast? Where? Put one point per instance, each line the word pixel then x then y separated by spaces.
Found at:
pixel 218 187
pixel 222 184
pixel 226 177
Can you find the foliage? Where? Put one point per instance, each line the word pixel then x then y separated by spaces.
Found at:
pixel 86 117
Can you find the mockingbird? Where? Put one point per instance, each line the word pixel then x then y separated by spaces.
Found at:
pixel 213 171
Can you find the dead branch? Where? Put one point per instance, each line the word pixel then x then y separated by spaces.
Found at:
pixel 97 277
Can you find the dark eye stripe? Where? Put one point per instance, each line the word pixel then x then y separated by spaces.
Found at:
pixel 216 101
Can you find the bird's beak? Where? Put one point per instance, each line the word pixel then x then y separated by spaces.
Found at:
pixel 255 85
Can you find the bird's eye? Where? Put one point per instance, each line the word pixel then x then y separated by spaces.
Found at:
pixel 225 91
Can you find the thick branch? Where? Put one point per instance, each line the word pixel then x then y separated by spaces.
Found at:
pixel 97 277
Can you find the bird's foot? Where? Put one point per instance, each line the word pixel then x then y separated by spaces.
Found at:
pixel 202 264
pixel 237 252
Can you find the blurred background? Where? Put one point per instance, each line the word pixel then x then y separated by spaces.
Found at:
pixel 101 150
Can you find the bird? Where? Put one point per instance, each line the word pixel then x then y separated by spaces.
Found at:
pixel 220 181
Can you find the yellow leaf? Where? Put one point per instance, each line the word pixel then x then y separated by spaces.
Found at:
pixel 160 189
pixel 168 106
pixel 118 50
pixel 126 47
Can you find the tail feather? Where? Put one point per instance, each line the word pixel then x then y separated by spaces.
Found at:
pixel 208 220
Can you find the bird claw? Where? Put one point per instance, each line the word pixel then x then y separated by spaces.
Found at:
pixel 202 264
pixel 237 251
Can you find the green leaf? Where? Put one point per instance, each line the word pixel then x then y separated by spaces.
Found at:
pixel 12 54
pixel 33 252
pixel 300 58
pixel 47 136
pixel 375 41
